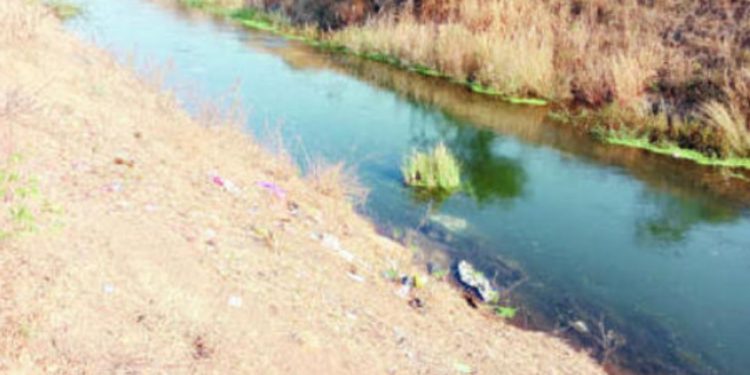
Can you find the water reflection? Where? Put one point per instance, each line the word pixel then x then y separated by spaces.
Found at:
pixel 674 219
pixel 490 177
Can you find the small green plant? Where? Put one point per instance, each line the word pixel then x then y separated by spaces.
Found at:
pixel 506 312
pixel 391 274
pixel 436 170
pixel 440 274
pixel 20 201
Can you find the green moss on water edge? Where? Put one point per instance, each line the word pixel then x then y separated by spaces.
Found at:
pixel 679 153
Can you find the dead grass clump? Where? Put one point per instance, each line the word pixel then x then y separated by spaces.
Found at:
pixel 336 181
pixel 732 124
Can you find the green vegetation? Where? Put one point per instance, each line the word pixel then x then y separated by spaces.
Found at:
pixel 435 171
pixel 64 10
pixel 21 202
pixel 679 153
pixel 19 196
pixel 506 312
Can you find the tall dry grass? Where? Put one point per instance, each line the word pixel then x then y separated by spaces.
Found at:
pixel 525 48
pixel 731 123
pixel 510 53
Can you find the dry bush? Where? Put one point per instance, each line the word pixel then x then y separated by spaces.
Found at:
pixel 732 124
pixel 335 181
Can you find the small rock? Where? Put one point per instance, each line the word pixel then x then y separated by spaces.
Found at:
pixel 355 277
pixel 210 234
pixel 475 281
pixel 114 187
pixel 462 368
pixel 108 288
pixel 416 303
pixel 580 326
pixel 235 301
pixel 331 242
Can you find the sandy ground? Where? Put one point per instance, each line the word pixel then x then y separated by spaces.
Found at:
pixel 155 245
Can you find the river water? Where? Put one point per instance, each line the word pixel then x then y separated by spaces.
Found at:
pixel 657 249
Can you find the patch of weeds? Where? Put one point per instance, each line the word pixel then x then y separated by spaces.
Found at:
pixel 437 170
pixel 21 201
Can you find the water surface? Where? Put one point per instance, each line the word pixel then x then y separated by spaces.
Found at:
pixel 659 249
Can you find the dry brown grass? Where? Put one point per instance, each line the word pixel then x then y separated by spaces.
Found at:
pixel 509 53
pixel 731 123
pixel 525 48
pixel 336 181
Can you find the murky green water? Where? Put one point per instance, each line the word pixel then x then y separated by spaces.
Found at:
pixel 660 249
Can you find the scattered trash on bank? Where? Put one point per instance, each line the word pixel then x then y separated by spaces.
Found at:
pixel 277 191
pixel 224 183
pixel 476 282
pixel 332 243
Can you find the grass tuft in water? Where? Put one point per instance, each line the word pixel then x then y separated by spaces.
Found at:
pixel 436 170
pixel 64 10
